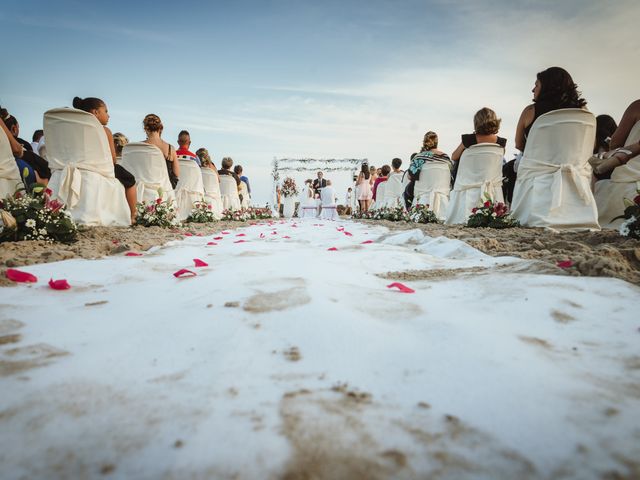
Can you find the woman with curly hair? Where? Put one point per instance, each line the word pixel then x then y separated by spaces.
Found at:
pixel 428 153
pixel 153 128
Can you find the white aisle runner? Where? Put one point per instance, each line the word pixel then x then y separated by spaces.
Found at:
pixel 314 369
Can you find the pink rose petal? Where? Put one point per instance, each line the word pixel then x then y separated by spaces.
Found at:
pixel 332 249
pixel 225 233
pixel 241 235
pixel 20 276
pixel 187 234
pixel 132 254
pixel 286 236
pixel 115 242
pixel 199 234
pixel 348 234
pixel 401 287
pixel 184 273
pixel 211 243
pixel 200 263
pixel 218 238
pixel 367 241
pixel 240 241
pixel 61 284
pixel 262 235
pixel 565 264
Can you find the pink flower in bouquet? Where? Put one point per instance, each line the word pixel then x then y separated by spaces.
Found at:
pixel 474 210
pixel 487 204
pixel 500 209
pixel 150 208
pixel 636 200
pixel 54 205
pixel 48 192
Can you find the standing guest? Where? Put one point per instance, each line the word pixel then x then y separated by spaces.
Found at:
pixel 153 128
pixel 98 109
pixel 348 201
pixel 206 162
pixel 38 164
pixel 363 187
pixel 319 183
pixel 119 141
pixel 554 89
pixel 373 175
pixel 183 152
pixel 35 140
pixel 384 175
pixel 485 130
pixel 428 153
pixel 227 163
pixel 238 171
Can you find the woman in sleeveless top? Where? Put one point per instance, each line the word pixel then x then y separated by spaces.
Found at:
pixel 153 128
pixel 363 185
pixel 554 90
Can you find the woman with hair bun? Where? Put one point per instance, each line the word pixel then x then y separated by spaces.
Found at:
pixel 153 128
pixel 428 153
pixel 98 109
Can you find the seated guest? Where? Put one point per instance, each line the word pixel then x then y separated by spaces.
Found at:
pixel 205 161
pixel 554 89
pixel 384 175
pixel 396 163
pixel 428 153
pixel 485 130
pixel 227 163
pixel 238 170
pixel 35 140
pixel 630 117
pixel 153 128
pixel 17 150
pixel 119 140
pixel 605 127
pixel 183 153
pixel 35 163
pixel 98 109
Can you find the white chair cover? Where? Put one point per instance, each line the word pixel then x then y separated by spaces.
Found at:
pixel 308 207
pixel 553 188
pixel 328 202
pixel 82 168
pixel 229 193
pixel 380 192
pixel 212 191
pixel 624 183
pixel 432 188
pixel 147 164
pixel 393 191
pixel 189 188
pixel 246 199
pixel 479 175
pixel 10 179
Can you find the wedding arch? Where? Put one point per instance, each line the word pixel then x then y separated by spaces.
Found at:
pixel 283 165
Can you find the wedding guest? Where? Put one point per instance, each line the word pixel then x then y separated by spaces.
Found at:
pixel 319 183
pixel 183 152
pixel 119 141
pixel 35 140
pixel 205 161
pixel 153 128
pixel 384 175
pixel 348 201
pixel 630 117
pixel 363 187
pixel 554 89
pixel 17 150
pixel 238 171
pixel 396 163
pixel 227 163
pixel 605 127
pixel 38 164
pixel 373 175
pixel 98 109
pixel 428 153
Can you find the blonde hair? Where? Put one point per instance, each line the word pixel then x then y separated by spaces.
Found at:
pixel 203 155
pixel 430 141
pixel 152 123
pixel 119 141
pixel 486 122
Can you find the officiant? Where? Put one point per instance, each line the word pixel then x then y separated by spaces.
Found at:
pixel 319 183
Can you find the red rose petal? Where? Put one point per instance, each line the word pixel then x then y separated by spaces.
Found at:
pixel 61 284
pixel 132 254
pixel 187 234
pixel 241 235
pixel 115 242
pixel 199 234
pixel 286 236
pixel 211 243
pixel 240 241
pixel 20 276
pixel 200 263
pixel 332 249
pixel 218 238
pixel 565 264
pixel 184 273
pixel 225 233
pixel 367 241
pixel 401 287
pixel 262 235
pixel 348 234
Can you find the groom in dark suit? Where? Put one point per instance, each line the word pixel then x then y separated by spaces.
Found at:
pixel 319 183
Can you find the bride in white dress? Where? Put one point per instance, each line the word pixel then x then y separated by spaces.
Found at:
pixel 308 207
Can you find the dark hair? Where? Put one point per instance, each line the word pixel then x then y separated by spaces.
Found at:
pixel 9 120
pixel 558 89
pixel 396 162
pixel 385 170
pixel 152 123
pixel 413 155
pixel 182 137
pixel 605 126
pixel 87 104
pixel 365 170
pixel 237 169
pixel 37 135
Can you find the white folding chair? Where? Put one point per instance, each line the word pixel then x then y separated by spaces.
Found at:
pixel 229 193
pixel 624 183
pixel 380 192
pixel 82 175
pixel 432 188
pixel 244 191
pixel 10 179
pixel 189 188
pixel 553 187
pixel 147 164
pixel 479 176
pixel 329 207
pixel 393 191
pixel 212 191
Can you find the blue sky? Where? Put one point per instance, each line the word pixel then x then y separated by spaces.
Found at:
pixel 258 80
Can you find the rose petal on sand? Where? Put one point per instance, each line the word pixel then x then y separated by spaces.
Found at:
pixel 240 241
pixel 241 235
pixel 274 233
pixel 340 229
pixel 200 263
pixel 211 243
pixel 199 234
pixel 348 234
pixel 565 264
pixel 286 236
pixel 367 241
pixel 20 276
pixel 262 235
pixel 61 284
pixel 115 242
pixel 184 273
pixel 401 287
pixel 132 254
pixel 332 249
pixel 218 238
pixel 187 234
pixel 225 233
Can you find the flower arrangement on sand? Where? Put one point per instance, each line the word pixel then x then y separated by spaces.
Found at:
pixel 417 214
pixel 289 187
pixel 491 214
pixel 156 214
pixel 245 214
pixel 422 214
pixel 631 226
pixel 34 215
pixel 201 213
